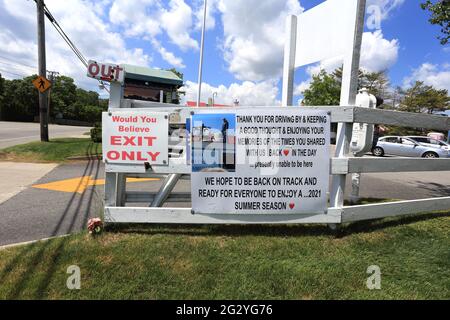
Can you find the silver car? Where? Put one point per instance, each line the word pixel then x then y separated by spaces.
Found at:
pixel 411 147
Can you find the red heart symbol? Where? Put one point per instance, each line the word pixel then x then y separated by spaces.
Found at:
pixel 286 152
pixel 291 205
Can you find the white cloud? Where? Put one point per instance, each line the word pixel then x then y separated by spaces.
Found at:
pixel 254 36
pixel 168 56
pixel 434 75
pixel 377 54
pixel 248 93
pixel 177 21
pixel 211 9
pixel 148 19
pixel 79 19
pixel 386 6
pixel 145 15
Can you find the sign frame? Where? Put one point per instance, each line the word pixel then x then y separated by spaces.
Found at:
pixel 298 204
pixel 135 137
pixel 42 84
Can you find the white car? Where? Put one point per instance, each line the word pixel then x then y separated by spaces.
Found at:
pixel 411 147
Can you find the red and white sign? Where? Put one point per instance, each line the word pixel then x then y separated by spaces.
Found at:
pixel 105 71
pixel 135 137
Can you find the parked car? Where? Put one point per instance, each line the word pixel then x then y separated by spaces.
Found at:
pixel 424 147
pixel 437 136
pixel 430 141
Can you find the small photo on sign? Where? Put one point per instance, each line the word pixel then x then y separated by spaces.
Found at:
pixel 213 142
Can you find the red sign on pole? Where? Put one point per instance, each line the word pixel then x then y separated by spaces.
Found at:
pixel 105 71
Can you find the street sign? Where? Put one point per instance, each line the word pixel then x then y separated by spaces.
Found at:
pixel 105 71
pixel 42 84
pixel 260 161
pixel 136 137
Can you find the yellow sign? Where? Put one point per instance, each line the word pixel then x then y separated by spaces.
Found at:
pixel 80 184
pixel 42 84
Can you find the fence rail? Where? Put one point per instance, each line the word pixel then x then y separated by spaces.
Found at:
pixel 340 166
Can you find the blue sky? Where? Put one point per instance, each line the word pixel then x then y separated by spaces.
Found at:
pixel 215 121
pixel 243 48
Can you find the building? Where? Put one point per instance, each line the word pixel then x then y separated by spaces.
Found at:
pixel 148 84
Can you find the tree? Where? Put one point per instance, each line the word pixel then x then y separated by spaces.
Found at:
pixel 376 83
pixel 2 89
pixel 324 90
pixel 440 15
pixel 421 98
pixel 179 75
pixel 63 96
pixel 87 97
pixel 21 102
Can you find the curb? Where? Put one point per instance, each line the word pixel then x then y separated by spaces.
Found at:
pixel 12 245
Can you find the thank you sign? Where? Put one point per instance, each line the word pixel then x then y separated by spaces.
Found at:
pixel 260 161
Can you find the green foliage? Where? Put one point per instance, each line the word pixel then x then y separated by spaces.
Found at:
pixel 178 73
pixel 179 93
pixel 376 83
pixel 21 100
pixel 63 95
pixel 440 15
pixel 56 150
pixel 2 87
pixel 87 97
pixel 96 132
pixel 324 90
pixel 421 98
pixel 2 90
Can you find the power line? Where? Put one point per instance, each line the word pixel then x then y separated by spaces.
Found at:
pixel 66 38
pixel 17 65
pixel 14 61
pixel 15 74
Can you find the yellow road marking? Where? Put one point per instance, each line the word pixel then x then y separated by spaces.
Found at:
pixel 80 184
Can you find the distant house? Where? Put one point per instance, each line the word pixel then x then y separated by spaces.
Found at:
pixel 148 84
pixel 203 104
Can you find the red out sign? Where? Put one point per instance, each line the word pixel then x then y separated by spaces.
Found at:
pixel 105 71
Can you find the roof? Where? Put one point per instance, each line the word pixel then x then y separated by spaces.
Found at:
pixel 202 104
pixel 154 75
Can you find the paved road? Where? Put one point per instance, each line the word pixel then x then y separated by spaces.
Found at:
pixel 24 175
pixel 39 213
pixel 13 133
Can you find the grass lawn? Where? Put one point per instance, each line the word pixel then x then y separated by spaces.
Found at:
pixel 56 150
pixel 238 262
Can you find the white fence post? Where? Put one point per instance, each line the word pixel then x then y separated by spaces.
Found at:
pixel 289 61
pixel 348 96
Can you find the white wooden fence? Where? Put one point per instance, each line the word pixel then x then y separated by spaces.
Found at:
pixel 116 195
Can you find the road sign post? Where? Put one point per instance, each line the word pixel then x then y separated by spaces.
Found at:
pixel 43 107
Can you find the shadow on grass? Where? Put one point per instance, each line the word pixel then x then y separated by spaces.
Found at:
pixel 35 257
pixel 275 230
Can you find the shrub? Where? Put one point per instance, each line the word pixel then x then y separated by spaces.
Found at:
pixel 96 132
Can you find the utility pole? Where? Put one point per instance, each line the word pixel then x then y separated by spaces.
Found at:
pixel 43 106
pixel 200 66
pixel 51 77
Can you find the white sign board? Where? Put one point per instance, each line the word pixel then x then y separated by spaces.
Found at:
pixel 105 71
pixel 135 137
pixel 325 31
pixel 259 161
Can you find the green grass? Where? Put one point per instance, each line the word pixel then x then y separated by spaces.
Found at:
pixel 238 262
pixel 56 150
